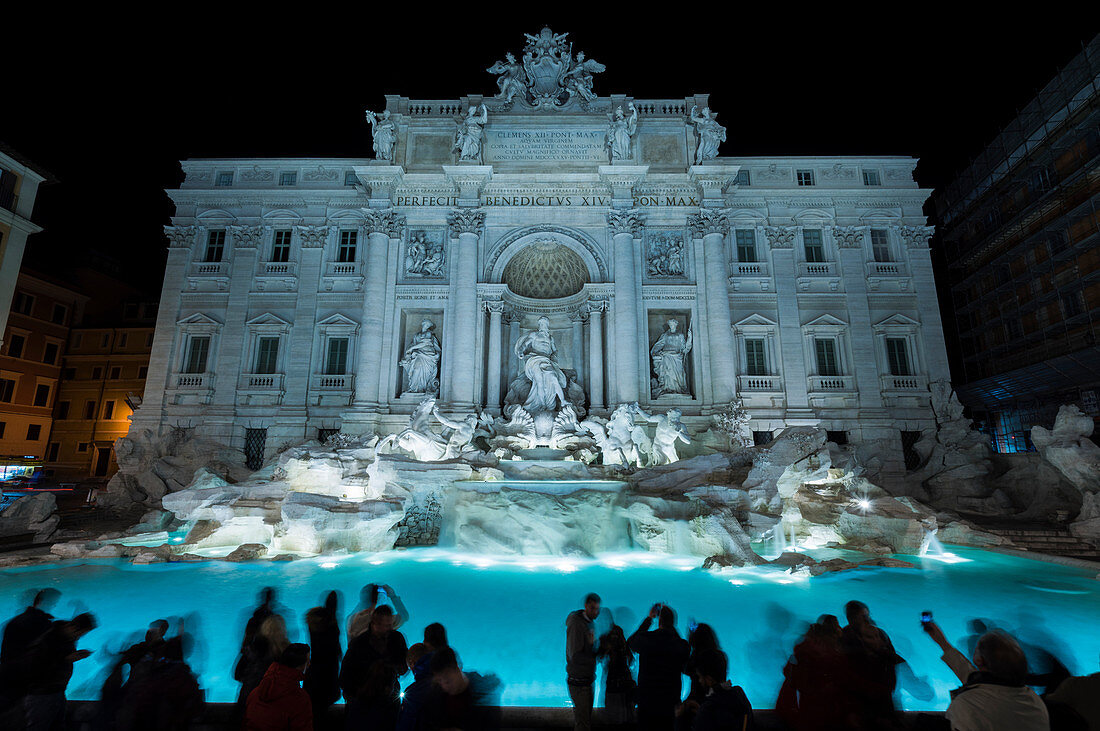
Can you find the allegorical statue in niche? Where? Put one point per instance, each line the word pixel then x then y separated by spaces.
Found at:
pixel 385 134
pixel 424 256
pixel 538 352
pixel 711 134
pixel 669 355
pixel 421 361
pixel 512 80
pixel 620 130
pixel 468 135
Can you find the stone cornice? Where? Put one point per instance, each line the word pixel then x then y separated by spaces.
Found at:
pixel 630 221
pixel 707 222
pixel 466 221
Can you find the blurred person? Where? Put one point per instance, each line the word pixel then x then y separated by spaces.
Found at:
pixel 871 669
pixel 722 706
pixel 435 637
pixel 414 699
pixel 267 645
pixel 993 695
pixel 372 665
pixel 138 657
pixel 580 660
pixel 458 699
pixel 620 690
pixel 369 598
pixel 263 610
pixel 279 703
pixel 701 638
pixel 19 633
pixel 322 678
pixel 661 657
pixel 814 694
pixel 1079 697
pixel 47 667
pixel 166 696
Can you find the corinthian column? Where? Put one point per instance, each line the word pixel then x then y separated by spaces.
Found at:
pixel 466 225
pixel 712 226
pixel 625 226
pixel 496 312
pixel 595 353
pixel 381 227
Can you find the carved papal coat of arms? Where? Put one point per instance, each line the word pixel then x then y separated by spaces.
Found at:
pixel 549 76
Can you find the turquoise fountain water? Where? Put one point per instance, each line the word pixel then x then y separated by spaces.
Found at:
pixel 507 617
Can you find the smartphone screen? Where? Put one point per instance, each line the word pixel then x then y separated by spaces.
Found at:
pixel 926 617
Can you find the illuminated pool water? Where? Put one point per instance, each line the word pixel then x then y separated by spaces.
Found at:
pixel 508 618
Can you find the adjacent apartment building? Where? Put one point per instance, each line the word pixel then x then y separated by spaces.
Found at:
pixel 1021 234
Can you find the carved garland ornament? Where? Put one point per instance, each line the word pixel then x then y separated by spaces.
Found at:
pixel 707 222
pixel 180 237
pixel 466 221
pixel 626 222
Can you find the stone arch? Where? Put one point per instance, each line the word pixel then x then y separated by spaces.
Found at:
pixel 515 241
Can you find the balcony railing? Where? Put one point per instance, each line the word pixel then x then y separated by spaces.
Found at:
pixel 904 383
pixel 323 382
pixel 760 383
pixel 832 383
pixel 887 269
pixel 817 268
pixel 210 268
pixel 280 268
pixel 749 269
pixel 343 268
pixel 261 382
pixel 194 381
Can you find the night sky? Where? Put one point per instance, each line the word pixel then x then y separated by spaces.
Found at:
pixel 109 112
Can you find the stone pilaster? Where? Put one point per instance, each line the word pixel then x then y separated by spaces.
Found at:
pixel 916 240
pixel 792 359
pixel 576 319
pixel 495 366
pixel 466 225
pixel 852 261
pixel 712 226
pixel 595 353
pixel 626 227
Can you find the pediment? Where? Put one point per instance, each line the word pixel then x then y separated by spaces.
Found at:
pixel 897 320
pixel 338 320
pixel 215 214
pixel 755 320
pixel 198 319
pixel 812 216
pixel 747 218
pixel 268 320
pixel 880 217
pixel 826 321
pixel 282 215
pixel 347 215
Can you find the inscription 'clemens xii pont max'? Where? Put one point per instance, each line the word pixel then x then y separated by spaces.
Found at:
pixel 549 145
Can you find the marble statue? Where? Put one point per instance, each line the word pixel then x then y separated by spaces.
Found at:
pixel 621 434
pixel 669 356
pixel 461 436
pixel 424 257
pixel 384 131
pixel 417 438
pixel 421 361
pixel 666 256
pixel 620 132
pixel 512 79
pixel 578 80
pixel 538 352
pixel 711 134
pixel 468 135
pixel 669 430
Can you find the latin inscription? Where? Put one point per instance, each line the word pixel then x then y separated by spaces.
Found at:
pixel 540 201
pixel 530 145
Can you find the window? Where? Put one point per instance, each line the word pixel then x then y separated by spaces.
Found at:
pixel 336 364
pixel 42 394
pixel 149 340
pixel 115 373
pixel 348 240
pixel 897 356
pixel 1013 329
pixel 97 373
pixel 825 349
pixel 22 303
pixel 78 340
pixel 62 409
pixel 223 180
pixel 60 312
pixel 288 178
pixel 761 438
pixel 82 446
pixel 108 409
pixel 839 438
pixel 267 354
pixel 34 432
pixel 742 178
pixel 1072 303
pixel 197 351
pixel 105 341
pixel 49 353
pixel 254 442
pixel 746 245
pixel 7 390
pixel 15 345
pixel 880 245
pixel 215 246
pixel 122 339
pixel 51 451
pixel 350 178
pixel 805 177
pixel 89 409
pixel 3 424
pixel 280 248
pixel 755 363
pixel 814 244
pixel 143 372
pixel 870 177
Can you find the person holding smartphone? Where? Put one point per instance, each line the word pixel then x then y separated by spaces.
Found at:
pixel 661 657
pixel 371 595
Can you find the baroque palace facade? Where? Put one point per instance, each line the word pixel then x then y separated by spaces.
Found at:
pixel 305 296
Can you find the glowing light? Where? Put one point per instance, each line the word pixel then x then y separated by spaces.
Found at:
pixel 864 504
pixel 565 567
pixel 737 582
pixel 376 562
pixel 329 565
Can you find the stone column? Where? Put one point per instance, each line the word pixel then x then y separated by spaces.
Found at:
pixel 625 226
pixel 381 226
pixel 496 313
pixel 466 226
pixel 712 226
pixel 577 319
pixel 595 353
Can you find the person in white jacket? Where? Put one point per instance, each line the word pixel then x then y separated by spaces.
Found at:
pixel 993 695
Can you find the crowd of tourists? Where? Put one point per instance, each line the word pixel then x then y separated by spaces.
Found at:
pixel 838 676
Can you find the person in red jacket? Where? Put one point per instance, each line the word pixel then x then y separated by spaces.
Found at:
pixel 279 703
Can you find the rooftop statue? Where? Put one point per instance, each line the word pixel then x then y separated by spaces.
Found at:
pixel 547 76
pixel 620 131
pixel 385 134
pixel 711 134
pixel 468 134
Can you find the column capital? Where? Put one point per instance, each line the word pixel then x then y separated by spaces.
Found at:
pixel 630 221
pixel 622 179
pixel 494 307
pixel 466 221
pixel 780 237
pixel 709 221
pixel 469 179
pixel 916 237
pixel 712 181
pixel 313 237
pixel 180 237
pixel 379 181
pixel 246 236
pixel 596 306
pixel 387 222
pixel 849 237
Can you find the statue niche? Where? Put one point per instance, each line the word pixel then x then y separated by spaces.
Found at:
pixel 542 390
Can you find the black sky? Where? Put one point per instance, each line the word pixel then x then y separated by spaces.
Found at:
pixel 109 111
